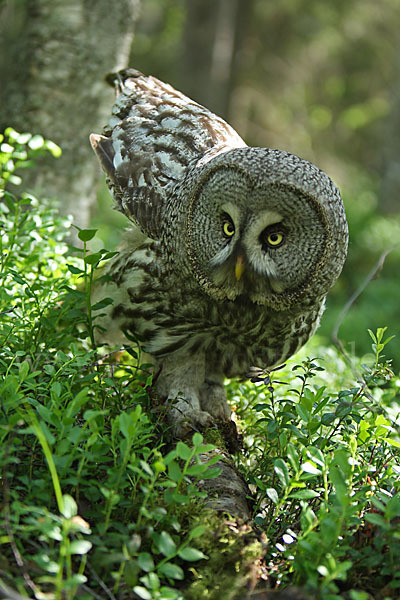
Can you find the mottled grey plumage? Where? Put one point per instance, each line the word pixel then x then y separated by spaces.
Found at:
pixel 232 251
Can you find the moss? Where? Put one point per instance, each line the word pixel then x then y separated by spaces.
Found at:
pixel 225 436
pixel 234 556
pixel 212 435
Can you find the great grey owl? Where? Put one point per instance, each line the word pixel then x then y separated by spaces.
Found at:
pixel 232 249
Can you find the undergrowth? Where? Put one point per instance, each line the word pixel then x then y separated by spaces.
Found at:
pixel 324 466
pixel 96 503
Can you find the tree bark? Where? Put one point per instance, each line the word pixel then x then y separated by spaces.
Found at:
pixel 211 50
pixel 390 187
pixel 53 58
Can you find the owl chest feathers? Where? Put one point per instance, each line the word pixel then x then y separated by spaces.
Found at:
pixel 168 316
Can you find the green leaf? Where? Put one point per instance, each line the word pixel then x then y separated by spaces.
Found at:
pixel 70 507
pixel 166 544
pixel 74 270
pixel 191 554
pixel 183 451
pixel 168 593
pixel 343 409
pixel 93 259
pixel 309 467
pixel 281 469
pixel 169 457
pixel 53 148
pixel 372 335
pixel 359 595
pixel 196 532
pixel 80 547
pixel 316 455
pixel 339 483
pixel 293 457
pixel 49 369
pixel 23 370
pixel 174 471
pixel 197 439
pixel 127 425
pixel 272 495
pixel 328 418
pixel 392 442
pixel 145 562
pixel 376 519
pixel 21 138
pixel 142 592
pixel 203 448
pixel 196 470
pixel 107 255
pixel 146 468
pixel 303 413
pixel 180 498
pixel 86 234
pixel 393 508
pixel 211 473
pixel 304 494
pixel 36 142
pixel 102 303
pixel 307 518
pixel 171 570
pixel 330 529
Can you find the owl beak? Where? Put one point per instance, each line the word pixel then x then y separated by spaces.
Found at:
pixel 239 267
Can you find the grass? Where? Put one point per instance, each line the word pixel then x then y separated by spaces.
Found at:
pixel 95 500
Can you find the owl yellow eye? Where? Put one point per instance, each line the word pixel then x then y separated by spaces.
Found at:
pixel 272 239
pixel 228 228
pixel 275 239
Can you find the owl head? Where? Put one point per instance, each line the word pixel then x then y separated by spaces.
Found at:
pixel 264 225
pixel 248 223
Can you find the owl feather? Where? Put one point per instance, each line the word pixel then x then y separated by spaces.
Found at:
pixel 232 248
pixel 154 136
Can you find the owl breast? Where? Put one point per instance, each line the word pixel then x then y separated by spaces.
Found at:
pixel 168 318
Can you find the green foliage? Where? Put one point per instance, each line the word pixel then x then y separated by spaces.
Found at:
pixel 95 503
pixel 19 151
pixel 325 467
pixel 371 235
pixel 87 485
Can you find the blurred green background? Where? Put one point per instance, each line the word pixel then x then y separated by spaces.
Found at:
pixel 318 79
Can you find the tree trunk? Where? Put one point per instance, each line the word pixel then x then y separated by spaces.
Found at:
pixel 390 187
pixel 211 50
pixel 53 58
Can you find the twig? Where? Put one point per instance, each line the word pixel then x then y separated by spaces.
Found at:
pixel 335 332
pixel 85 588
pixel 101 583
pixel 9 593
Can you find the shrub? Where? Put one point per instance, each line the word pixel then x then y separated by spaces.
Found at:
pixel 95 503
pixel 90 494
pixel 324 464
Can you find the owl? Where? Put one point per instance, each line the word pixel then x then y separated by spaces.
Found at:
pixel 231 249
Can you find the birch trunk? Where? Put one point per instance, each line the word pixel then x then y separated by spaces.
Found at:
pixel 53 58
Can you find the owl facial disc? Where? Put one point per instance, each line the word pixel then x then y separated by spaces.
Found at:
pixel 254 238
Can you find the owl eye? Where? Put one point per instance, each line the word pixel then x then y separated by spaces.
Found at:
pixel 272 238
pixel 228 228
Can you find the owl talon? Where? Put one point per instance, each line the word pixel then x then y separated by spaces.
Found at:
pixel 191 420
pixel 213 401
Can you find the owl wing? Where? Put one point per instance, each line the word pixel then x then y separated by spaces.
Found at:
pixel 154 135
